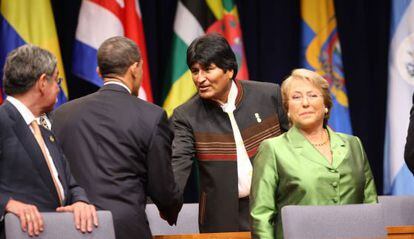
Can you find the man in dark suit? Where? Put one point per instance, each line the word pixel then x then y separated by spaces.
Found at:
pixel 220 129
pixel 409 145
pixel 34 175
pixel 119 146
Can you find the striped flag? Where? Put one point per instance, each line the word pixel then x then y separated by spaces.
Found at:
pixel 194 19
pixel 321 52
pixel 100 20
pixel 31 22
pixel 397 177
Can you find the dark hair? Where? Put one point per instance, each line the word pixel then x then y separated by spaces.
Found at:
pixel 209 49
pixel 116 55
pixel 24 65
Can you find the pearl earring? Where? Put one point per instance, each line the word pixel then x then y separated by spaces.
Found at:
pixel 326 110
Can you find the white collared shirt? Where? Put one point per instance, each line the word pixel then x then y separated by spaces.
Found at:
pixel 244 166
pixel 28 118
pixel 230 105
pixel 118 83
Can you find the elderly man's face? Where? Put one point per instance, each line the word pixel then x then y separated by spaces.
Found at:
pixel 52 91
pixel 212 83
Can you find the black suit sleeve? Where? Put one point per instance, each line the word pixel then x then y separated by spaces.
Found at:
pixel 4 197
pixel 76 193
pixel 409 145
pixel 183 149
pixel 161 186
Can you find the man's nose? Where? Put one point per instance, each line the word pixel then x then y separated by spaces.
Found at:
pixel 201 76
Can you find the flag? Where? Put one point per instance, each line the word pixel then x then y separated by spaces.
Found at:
pixel 397 177
pixel 321 52
pixel 24 22
pixel 194 19
pixel 100 20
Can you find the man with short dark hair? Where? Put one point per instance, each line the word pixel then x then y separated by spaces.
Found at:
pixel 119 146
pixel 221 128
pixel 34 176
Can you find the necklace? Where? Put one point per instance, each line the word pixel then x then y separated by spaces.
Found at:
pixel 323 143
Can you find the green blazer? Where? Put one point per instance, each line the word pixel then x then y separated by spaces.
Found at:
pixel 288 170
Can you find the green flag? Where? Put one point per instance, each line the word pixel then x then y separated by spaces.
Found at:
pixel 194 19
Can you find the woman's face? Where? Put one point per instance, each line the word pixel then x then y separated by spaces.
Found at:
pixel 306 106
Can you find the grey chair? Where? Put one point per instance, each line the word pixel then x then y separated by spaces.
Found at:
pixel 345 221
pixel 397 210
pixel 187 222
pixel 62 226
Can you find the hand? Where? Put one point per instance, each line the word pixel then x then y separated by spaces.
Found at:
pixel 166 219
pixel 84 215
pixel 30 218
pixel 162 216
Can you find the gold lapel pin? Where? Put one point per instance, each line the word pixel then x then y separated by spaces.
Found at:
pixel 52 139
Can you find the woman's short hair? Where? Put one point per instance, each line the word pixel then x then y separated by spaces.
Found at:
pixel 317 80
pixel 212 49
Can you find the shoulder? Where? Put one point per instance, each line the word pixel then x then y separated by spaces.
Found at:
pixel 148 108
pixel 260 92
pixel 348 138
pixel 258 85
pixel 275 142
pixel 7 112
pixel 352 142
pixel 189 106
pixel 72 104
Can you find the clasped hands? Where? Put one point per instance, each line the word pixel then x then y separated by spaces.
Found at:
pixel 31 220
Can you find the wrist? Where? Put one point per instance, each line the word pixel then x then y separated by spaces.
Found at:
pixel 9 204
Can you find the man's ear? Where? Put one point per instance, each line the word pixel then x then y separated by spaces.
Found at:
pixel 41 82
pixel 230 73
pixel 134 68
pixel 138 65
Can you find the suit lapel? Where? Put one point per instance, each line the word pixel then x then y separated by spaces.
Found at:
pixel 51 145
pixel 338 147
pixel 32 148
pixel 304 148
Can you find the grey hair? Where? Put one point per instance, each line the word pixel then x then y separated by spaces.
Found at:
pixel 24 65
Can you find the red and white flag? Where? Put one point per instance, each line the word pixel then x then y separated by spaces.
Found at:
pixel 99 20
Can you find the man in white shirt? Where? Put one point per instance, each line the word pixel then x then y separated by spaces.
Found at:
pixel 34 176
pixel 220 130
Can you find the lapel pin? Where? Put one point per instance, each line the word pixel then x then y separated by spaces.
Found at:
pixel 258 117
pixel 52 139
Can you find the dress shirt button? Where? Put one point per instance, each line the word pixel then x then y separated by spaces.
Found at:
pixel 332 170
pixel 334 184
pixel 334 200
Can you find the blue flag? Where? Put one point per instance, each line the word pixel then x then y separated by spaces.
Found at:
pixel 321 52
pixel 398 180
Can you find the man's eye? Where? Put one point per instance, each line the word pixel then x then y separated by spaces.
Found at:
pixel 296 97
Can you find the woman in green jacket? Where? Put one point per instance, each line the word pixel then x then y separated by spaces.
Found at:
pixel 310 164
